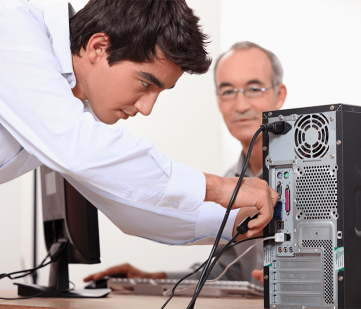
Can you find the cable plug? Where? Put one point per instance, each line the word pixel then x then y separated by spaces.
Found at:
pixel 278 127
pixel 242 228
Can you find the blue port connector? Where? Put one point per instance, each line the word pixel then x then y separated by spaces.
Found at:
pixel 277 213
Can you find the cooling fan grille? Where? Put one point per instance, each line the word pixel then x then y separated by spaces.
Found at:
pixel 311 136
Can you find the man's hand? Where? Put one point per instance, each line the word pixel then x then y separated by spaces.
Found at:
pixel 258 275
pixel 126 270
pixel 253 192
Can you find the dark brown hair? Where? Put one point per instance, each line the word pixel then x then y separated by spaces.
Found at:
pixel 136 28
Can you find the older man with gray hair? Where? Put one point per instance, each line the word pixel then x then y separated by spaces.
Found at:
pixel 248 81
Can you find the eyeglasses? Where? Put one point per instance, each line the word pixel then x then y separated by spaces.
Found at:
pixel 250 92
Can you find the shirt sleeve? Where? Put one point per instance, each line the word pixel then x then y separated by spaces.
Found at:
pixel 109 166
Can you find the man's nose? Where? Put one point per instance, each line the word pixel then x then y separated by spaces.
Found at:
pixel 242 103
pixel 146 104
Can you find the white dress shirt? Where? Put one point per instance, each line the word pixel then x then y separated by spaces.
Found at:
pixel 143 192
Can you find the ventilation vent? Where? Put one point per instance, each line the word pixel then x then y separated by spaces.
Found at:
pixel 316 193
pixel 327 265
pixel 311 136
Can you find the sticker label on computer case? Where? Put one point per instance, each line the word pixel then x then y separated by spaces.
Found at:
pixel 267 255
pixel 339 258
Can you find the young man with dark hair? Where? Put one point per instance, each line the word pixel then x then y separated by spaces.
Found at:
pixel 56 97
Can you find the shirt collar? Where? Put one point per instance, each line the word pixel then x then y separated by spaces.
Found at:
pixel 56 18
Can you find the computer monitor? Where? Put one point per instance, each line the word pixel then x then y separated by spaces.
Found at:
pixel 71 236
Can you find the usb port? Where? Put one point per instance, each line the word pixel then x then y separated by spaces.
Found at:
pixel 287 203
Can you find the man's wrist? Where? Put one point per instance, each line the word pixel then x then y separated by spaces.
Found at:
pixel 214 192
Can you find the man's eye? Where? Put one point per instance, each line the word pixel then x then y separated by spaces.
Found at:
pixel 254 89
pixel 227 92
pixel 145 84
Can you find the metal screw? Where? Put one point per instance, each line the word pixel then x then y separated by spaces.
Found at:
pixel 331 118
pixel 273 306
pixel 270 114
pixel 294 231
pixel 280 117
pixel 303 307
pixel 264 148
pixel 338 143
pixel 299 250
pixel 332 156
pixel 265 277
pixel 315 250
pixel 332 107
pixel 270 160
pixel 295 201
pixel 340 278
pixel 295 245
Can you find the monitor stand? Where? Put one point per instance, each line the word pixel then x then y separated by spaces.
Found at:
pixel 59 279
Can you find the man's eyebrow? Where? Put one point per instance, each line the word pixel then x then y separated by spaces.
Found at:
pixel 254 81
pixel 225 84
pixel 151 78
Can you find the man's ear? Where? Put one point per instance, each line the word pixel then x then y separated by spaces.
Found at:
pixel 281 96
pixel 97 46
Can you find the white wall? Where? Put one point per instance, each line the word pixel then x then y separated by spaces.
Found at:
pixel 318 43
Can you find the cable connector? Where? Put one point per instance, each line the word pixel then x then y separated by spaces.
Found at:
pixel 278 127
pixel 279 237
pixel 242 228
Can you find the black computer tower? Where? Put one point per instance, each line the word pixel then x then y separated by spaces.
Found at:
pixel 316 170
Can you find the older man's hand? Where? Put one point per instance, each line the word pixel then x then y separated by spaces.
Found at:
pixel 253 192
pixel 125 270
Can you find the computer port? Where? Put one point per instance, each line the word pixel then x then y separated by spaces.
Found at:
pixel 285 249
pixel 280 175
pixel 287 200
pixel 277 211
pixel 288 237
pixel 291 250
pixel 279 190
pixel 280 249
pixel 280 225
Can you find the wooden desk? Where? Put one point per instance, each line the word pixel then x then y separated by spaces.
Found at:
pixel 122 301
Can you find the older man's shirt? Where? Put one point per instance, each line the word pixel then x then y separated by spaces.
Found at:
pixel 143 192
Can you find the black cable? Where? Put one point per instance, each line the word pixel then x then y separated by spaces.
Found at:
pixel 196 270
pixel 278 127
pixel 205 270
pixel 28 271
pixel 35 274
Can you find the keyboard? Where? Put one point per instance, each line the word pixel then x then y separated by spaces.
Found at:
pixel 164 287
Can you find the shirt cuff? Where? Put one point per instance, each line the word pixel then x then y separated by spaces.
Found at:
pixel 186 188
pixel 209 221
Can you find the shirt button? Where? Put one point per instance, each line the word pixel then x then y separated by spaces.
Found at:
pixel 127 193
pixel 175 204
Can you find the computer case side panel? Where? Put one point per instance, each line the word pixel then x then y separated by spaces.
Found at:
pixel 340 202
pixel 350 278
